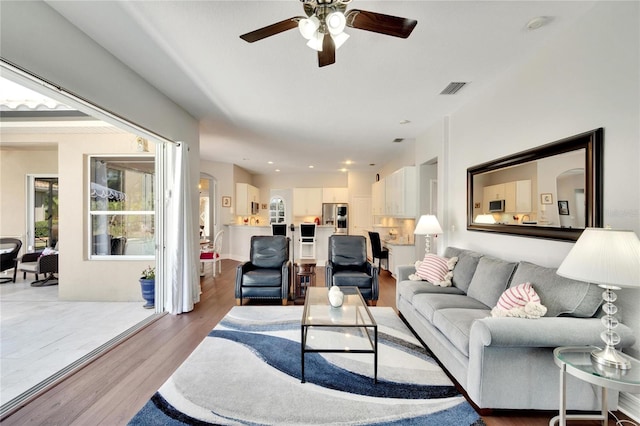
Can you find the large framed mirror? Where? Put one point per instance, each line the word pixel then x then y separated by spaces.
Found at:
pixel 553 191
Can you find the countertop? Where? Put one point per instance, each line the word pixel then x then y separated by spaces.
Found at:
pixel 395 243
pixel 269 226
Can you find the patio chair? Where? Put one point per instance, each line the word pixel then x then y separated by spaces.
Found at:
pixel 9 247
pixel 40 263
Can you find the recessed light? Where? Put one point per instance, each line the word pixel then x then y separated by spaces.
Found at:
pixel 348 162
pixel 269 162
pixel 398 140
pixel 343 170
pixel 311 167
pixel 277 170
pixel 405 121
pixel 537 22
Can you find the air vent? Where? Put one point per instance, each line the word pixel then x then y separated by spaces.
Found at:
pixel 398 140
pixel 453 88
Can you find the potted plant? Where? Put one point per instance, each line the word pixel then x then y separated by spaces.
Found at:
pixel 148 286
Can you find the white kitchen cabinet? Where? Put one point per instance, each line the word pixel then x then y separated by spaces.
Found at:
pixel 400 193
pixel 523 196
pixel 516 196
pixel 307 202
pixel 378 198
pixel 335 195
pixel 245 195
pixel 400 254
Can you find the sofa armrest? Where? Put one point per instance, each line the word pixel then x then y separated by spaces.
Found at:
pixel 372 270
pixel 328 273
pixel 241 269
pixel 403 272
pixel 543 332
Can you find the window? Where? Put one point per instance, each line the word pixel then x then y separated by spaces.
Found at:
pixel 122 210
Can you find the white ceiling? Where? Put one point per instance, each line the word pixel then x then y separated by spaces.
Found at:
pixel 269 100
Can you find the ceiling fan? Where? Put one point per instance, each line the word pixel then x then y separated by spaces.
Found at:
pixel 325 22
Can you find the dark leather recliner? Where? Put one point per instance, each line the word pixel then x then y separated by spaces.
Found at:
pixel 347 265
pixel 266 275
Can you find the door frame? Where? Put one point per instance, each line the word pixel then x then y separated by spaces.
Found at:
pixel 30 197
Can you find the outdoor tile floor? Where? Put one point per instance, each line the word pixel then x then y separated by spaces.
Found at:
pixel 40 335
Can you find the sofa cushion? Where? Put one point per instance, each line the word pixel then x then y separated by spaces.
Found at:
pixel 465 268
pixel 262 278
pixel 352 279
pixel 561 296
pixel 269 251
pixel 490 279
pixel 455 323
pixel 407 289
pixel 428 304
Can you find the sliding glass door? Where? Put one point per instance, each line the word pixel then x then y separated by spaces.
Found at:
pixel 42 212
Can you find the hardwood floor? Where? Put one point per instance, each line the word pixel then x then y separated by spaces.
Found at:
pixel 112 389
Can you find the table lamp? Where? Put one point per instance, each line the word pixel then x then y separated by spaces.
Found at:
pixel 428 225
pixel 611 259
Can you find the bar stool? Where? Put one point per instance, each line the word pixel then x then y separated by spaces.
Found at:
pixel 307 241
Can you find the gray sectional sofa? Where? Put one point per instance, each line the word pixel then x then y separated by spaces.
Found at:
pixel 505 363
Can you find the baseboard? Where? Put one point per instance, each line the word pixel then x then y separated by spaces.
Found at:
pixel 629 404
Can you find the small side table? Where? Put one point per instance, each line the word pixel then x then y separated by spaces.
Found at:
pixel 576 360
pixel 305 276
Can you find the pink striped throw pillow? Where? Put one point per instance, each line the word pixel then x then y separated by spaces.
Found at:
pixel 518 297
pixel 520 301
pixel 434 269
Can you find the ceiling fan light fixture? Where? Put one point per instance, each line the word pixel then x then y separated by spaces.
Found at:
pixel 339 39
pixel 315 42
pixel 309 26
pixel 336 22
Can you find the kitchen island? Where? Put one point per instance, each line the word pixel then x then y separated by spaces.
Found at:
pixel 239 241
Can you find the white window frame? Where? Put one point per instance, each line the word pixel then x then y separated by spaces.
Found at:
pixel 92 213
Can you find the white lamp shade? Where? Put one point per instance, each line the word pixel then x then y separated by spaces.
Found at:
pixel 428 225
pixel 308 26
pixel 315 42
pixel 604 256
pixel 336 22
pixel 484 218
pixel 339 39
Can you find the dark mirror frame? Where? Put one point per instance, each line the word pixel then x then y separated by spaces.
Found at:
pixel 592 142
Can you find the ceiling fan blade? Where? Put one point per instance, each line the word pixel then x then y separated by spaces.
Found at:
pixel 328 54
pixel 272 29
pixel 379 23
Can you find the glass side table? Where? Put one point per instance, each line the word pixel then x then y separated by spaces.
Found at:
pixel 576 360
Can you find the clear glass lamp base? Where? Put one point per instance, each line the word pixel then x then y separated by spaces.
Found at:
pixel 610 358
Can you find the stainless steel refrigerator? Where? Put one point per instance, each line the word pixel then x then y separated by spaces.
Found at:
pixel 336 215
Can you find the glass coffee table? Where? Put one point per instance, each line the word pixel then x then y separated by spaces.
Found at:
pixel 349 328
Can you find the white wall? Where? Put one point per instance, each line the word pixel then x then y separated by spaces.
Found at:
pixel 15 165
pixel 35 37
pixel 223 172
pixel 585 79
pixel 433 145
pixel 80 278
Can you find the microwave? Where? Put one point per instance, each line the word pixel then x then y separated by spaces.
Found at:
pixel 496 206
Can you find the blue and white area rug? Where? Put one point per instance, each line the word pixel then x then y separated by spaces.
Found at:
pixel 247 372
